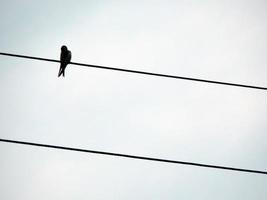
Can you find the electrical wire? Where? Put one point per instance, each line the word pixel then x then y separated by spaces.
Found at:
pixel 133 156
pixel 141 72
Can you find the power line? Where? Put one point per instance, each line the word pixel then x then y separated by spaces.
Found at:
pixel 141 72
pixel 133 156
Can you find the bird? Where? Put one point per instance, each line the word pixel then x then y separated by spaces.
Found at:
pixel 65 58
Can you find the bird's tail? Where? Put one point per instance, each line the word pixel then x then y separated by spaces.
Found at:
pixel 62 70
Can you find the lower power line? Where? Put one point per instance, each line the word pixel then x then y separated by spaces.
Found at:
pixel 133 156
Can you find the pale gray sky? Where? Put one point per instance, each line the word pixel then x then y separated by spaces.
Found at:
pixel 114 111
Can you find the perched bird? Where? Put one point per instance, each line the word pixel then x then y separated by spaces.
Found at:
pixel 65 58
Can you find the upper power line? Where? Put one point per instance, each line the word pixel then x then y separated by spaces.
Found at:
pixel 141 72
pixel 134 156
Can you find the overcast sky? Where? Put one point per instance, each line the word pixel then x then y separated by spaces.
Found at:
pixel 96 109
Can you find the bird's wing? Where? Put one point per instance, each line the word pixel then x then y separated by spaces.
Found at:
pixel 68 56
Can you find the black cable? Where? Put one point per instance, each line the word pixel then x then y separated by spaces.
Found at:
pixel 134 157
pixel 141 72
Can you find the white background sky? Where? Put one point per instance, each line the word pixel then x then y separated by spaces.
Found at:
pixel 133 114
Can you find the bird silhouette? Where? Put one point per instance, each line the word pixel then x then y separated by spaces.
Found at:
pixel 65 58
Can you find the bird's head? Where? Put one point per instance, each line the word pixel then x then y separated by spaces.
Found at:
pixel 64 48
